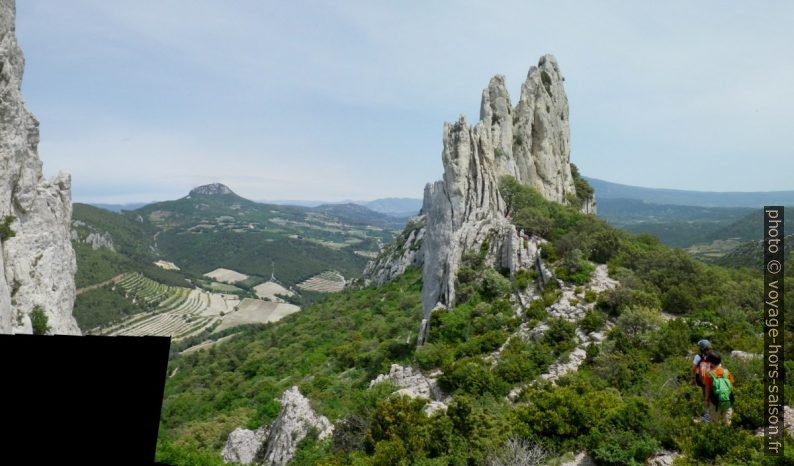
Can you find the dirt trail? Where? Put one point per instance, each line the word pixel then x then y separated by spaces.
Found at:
pixel 115 279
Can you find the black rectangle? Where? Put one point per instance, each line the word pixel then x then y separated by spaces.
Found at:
pixel 81 400
pixel 774 260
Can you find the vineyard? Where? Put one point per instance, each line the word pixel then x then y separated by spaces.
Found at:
pixel 329 281
pixel 175 311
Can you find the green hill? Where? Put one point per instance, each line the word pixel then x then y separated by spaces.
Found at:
pixel 675 225
pixel 210 228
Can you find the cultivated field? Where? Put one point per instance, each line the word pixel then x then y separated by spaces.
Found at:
pixel 329 281
pixel 226 275
pixel 269 290
pixel 182 312
pixel 175 311
pixel 166 265
pixel 255 311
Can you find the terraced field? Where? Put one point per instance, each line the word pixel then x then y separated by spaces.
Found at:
pixel 178 312
pixel 329 281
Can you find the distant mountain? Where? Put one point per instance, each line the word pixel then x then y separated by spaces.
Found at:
pixel 400 207
pixel 119 207
pixel 608 190
pixel 395 206
pixel 674 225
pixel 357 214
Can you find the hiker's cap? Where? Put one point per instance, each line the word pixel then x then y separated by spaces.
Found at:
pixel 704 344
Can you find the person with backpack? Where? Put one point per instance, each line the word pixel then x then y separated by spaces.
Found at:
pixel 718 390
pixel 700 367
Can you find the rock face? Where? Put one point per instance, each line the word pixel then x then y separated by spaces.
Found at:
pixel 291 426
pixel 414 384
pixel 405 251
pixel 211 190
pixel 276 445
pixel 465 210
pixel 243 444
pixel 663 458
pixel 37 266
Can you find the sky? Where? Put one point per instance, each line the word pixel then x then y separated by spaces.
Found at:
pixel 143 100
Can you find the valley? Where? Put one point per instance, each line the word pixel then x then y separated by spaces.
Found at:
pixel 213 261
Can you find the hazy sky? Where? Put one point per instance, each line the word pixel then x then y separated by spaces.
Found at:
pixel 142 100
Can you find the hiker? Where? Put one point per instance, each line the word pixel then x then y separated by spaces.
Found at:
pixel 719 390
pixel 700 366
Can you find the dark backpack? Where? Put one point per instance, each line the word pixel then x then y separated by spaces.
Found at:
pixel 721 390
pixel 700 371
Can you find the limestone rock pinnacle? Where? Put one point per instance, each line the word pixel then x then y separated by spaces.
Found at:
pixel 38 264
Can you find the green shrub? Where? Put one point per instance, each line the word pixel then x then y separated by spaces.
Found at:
pixel 636 321
pixel 621 447
pixel 560 335
pixel 677 300
pixel 494 285
pixel 6 231
pixel 673 340
pixel 39 321
pixel 522 279
pixel 473 376
pixel 590 296
pixel 537 310
pixel 431 355
pixel 592 321
pixel 575 268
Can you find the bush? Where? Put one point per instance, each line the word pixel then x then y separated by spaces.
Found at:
pixel 592 321
pixel 5 228
pixel 523 279
pixel 621 447
pixel 494 285
pixel 677 300
pixel 575 268
pixel 673 340
pixel 432 355
pixel 39 321
pixel 560 335
pixel 636 321
pixel 472 375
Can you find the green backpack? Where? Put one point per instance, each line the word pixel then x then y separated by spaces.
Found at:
pixel 721 387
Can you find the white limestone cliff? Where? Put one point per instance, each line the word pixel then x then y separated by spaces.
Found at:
pixel 38 264
pixel 465 210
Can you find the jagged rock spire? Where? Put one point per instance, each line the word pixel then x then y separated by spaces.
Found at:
pixel 530 142
pixel 37 266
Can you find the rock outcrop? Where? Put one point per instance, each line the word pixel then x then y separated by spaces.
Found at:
pixel 276 444
pixel 86 234
pixel 37 265
pixel 465 211
pixel 405 251
pixel 214 189
pixel 243 444
pixel 663 458
pixel 291 426
pixel 414 384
